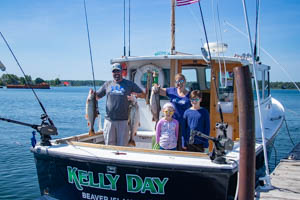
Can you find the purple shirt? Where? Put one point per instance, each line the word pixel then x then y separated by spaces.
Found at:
pixel 167 133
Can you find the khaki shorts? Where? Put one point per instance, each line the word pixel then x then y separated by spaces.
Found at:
pixel 116 132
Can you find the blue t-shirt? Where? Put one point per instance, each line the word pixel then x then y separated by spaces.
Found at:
pixel 196 120
pixel 181 104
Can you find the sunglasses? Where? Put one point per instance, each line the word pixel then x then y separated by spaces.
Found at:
pixel 195 100
pixel 168 112
pixel 116 71
pixel 179 81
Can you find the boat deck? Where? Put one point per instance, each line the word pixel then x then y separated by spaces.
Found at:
pixel 285 179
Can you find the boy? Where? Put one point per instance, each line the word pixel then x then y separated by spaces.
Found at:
pixel 196 118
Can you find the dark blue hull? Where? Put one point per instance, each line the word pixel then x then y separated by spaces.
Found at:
pixel 78 178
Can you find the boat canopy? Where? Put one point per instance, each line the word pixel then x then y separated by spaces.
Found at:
pixel 175 57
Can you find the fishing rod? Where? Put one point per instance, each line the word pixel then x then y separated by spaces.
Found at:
pixel 90 48
pixel 44 116
pixel 44 129
pixel 222 126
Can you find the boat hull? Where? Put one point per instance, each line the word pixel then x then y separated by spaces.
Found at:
pixel 79 178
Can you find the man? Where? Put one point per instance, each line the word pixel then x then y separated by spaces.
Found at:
pixel 119 92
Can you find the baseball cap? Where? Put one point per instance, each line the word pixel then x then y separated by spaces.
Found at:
pixel 168 105
pixel 116 66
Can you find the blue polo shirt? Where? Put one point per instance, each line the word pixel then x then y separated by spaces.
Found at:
pixel 196 120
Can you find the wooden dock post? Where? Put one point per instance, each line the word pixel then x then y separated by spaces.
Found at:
pixel 247 135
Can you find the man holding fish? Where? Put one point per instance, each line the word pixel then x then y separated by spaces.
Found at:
pixel 119 92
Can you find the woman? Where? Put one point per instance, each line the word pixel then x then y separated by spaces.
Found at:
pixel 180 98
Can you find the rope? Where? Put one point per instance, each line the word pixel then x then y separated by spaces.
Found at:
pixel 268 54
pixel 222 42
pixel 288 132
pixel 217 38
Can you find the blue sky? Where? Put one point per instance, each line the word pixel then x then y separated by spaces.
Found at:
pixel 50 41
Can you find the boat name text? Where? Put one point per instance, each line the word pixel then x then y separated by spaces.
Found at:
pixel 107 181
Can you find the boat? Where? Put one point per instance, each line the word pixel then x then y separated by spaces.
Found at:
pixel 25 86
pixel 82 167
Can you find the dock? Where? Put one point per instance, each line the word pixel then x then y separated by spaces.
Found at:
pixel 285 179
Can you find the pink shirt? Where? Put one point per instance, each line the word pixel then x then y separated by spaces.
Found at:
pixel 167 133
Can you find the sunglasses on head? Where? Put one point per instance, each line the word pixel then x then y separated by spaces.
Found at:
pixel 195 99
pixel 179 81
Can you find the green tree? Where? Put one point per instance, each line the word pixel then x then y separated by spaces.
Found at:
pixel 39 80
pixel 57 81
pixel 28 79
pixel 10 79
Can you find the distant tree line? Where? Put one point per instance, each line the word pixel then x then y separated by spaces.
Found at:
pixel 83 82
pixel 7 79
pixel 15 80
pixel 283 85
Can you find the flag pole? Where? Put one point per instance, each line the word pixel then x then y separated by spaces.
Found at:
pixel 172 27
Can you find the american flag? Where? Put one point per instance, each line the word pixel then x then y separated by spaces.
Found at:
pixel 185 2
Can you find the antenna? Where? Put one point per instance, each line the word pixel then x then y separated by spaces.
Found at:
pixel 124 53
pixel 129 29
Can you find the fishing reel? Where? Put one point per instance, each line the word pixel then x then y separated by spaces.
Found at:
pixel 221 145
pixel 221 126
pixel 45 129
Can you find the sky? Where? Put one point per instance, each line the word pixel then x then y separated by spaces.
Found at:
pixel 49 37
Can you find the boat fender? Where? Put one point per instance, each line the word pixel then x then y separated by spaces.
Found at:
pixel 143 70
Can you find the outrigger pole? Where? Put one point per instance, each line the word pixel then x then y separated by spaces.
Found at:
pixel 267 179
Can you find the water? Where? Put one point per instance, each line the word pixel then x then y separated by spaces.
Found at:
pixel 66 107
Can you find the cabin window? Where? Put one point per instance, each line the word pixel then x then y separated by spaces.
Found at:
pixel 191 79
pixel 167 78
pixel 259 77
pixel 266 84
pixel 207 77
pixel 226 91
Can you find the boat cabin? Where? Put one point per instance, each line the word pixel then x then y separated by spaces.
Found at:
pixel 215 81
pixel 199 76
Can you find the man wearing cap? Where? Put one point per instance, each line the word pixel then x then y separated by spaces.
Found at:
pixel 118 93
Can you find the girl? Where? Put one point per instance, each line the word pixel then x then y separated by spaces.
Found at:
pixel 167 129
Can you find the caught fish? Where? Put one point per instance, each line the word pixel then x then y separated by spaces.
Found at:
pixel 91 111
pixel 155 105
pixel 133 121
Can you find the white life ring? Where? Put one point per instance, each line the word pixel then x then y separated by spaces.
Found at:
pixel 142 70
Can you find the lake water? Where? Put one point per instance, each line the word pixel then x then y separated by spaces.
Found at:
pixel 66 107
